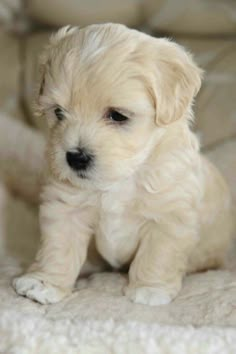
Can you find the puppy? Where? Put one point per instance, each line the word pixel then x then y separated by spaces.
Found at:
pixel 125 169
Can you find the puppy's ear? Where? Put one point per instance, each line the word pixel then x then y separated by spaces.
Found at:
pixel 45 62
pixel 175 82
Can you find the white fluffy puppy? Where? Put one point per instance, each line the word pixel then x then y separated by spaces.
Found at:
pixel 124 167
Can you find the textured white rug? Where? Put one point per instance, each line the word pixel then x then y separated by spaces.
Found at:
pixel 97 318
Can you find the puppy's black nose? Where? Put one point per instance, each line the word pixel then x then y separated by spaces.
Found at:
pixel 79 159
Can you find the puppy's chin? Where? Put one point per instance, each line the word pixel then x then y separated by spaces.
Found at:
pixel 82 175
pixel 90 179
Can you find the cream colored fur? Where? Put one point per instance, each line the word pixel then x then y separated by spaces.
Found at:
pixel 151 200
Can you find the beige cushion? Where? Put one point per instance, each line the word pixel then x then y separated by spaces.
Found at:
pixel 11 15
pixel 224 157
pixel 192 16
pixel 84 12
pixel 10 74
pixel 216 103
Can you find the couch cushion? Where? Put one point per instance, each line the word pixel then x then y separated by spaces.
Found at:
pixel 10 74
pixel 12 16
pixel 84 12
pixel 192 17
pixel 216 102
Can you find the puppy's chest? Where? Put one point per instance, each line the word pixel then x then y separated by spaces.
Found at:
pixel 118 226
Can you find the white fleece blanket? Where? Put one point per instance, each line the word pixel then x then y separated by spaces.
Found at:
pixel 97 318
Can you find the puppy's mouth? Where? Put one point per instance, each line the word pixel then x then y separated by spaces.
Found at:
pixel 82 175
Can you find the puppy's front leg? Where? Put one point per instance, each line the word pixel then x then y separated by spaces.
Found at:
pixel 155 275
pixel 65 238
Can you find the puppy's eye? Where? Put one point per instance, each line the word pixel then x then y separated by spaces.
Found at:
pixel 116 116
pixel 59 113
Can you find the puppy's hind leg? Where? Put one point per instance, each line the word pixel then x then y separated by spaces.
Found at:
pixel 155 275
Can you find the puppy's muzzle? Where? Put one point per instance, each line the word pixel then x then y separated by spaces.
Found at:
pixel 79 159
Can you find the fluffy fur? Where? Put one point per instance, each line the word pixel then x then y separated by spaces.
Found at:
pixel 150 200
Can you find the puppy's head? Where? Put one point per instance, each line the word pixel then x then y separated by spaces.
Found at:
pixel 109 93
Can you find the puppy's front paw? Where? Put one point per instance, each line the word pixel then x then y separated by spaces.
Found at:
pixel 148 295
pixel 38 290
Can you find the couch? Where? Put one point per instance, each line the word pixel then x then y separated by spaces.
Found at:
pixel 97 318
